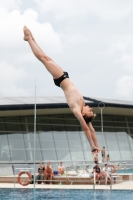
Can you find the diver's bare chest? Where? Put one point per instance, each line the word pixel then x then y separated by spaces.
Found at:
pixel 74 98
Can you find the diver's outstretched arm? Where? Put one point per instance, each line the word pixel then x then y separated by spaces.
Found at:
pixel 93 134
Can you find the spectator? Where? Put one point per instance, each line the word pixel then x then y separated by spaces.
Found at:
pixel 48 173
pixel 61 168
pixel 103 152
pixel 49 164
pixel 118 166
pixel 108 170
pixel 40 175
pixel 112 168
pixel 107 158
pixel 95 157
pixel 98 173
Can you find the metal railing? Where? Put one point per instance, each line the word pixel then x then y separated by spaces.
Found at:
pixel 23 170
pixel 82 173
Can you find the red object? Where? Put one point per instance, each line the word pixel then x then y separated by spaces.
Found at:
pixel 26 182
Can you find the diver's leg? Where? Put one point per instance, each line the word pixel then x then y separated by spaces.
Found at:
pixel 50 65
pixel 34 39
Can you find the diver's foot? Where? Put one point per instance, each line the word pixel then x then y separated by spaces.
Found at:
pixel 27 33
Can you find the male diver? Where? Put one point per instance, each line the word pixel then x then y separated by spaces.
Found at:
pixel 73 97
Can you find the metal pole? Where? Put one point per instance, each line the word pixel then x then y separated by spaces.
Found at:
pixel 14 176
pixel 94 180
pixel 101 106
pixel 111 180
pixel 102 120
pixel 34 133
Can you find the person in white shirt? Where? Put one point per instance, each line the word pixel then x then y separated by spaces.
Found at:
pixel 108 170
pixel 107 173
pixel 61 168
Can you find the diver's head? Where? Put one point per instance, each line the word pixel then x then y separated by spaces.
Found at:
pixel 88 114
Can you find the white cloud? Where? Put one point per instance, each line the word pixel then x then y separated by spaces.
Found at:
pixel 107 10
pixel 30 14
pixel 10 4
pixel 124 86
pixel 120 43
pixel 11 80
pixel 16 57
pixel 90 39
pixel 127 60
pixel 12 30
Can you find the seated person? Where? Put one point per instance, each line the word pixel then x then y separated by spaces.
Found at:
pixel 113 168
pixel 108 170
pixel 40 175
pixel 98 173
pixel 61 168
pixel 48 173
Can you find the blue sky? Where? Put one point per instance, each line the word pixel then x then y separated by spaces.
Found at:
pixel 91 39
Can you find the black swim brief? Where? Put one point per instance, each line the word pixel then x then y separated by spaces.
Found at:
pixel 60 79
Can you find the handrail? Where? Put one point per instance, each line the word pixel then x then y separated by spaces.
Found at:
pixel 83 172
pixel 24 169
pixel 94 180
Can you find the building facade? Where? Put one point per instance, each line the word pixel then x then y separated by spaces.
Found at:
pixel 58 134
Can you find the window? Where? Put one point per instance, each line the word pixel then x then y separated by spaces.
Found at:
pixel 38 155
pixel 63 155
pixel 61 144
pixel 13 124
pixel 77 155
pixel 47 144
pixel 49 155
pixel 18 155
